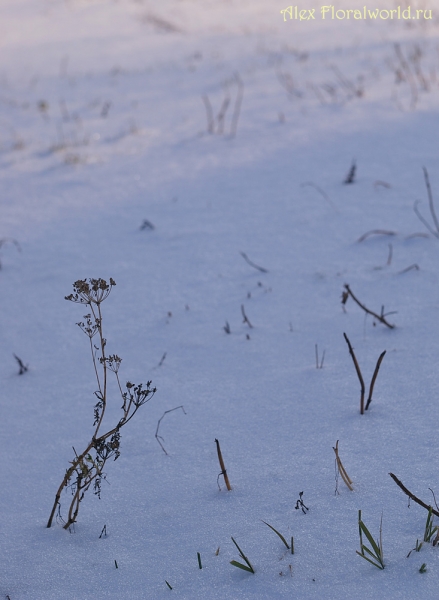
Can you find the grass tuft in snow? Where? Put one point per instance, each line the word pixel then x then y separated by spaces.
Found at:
pixel 243 556
pixel 429 529
pixel 376 547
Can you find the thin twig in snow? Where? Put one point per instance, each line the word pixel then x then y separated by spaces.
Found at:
pixel 252 264
pixel 412 496
pixel 245 317
pixel 321 192
pixel 159 437
pixel 375 232
pixel 237 108
pixel 431 205
pixel 381 318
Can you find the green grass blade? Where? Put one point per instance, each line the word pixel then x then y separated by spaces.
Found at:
pixel 243 556
pixel 359 529
pixel 379 566
pixel 277 533
pixel 370 538
pixel 239 549
pixel 241 566
pixel 369 551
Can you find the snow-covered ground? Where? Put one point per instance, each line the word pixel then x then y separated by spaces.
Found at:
pixel 104 123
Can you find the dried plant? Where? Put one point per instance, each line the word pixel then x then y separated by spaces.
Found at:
pixel 223 468
pixel 160 438
pixel 350 177
pixel 87 468
pixel 434 231
pixel 340 470
pixel 412 496
pixel 360 376
pixel 380 317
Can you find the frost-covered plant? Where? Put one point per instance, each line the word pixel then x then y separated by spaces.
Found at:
pixel 87 468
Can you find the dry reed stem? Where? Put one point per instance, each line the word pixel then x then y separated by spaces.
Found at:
pixel 348 481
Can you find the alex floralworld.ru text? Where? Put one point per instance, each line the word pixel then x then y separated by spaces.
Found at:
pixel 329 12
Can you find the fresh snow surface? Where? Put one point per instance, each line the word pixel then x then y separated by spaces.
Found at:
pixel 103 125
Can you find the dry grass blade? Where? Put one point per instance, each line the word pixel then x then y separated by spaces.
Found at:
pixel 348 481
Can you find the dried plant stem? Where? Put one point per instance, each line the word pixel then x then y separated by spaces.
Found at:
pixel 222 466
pixel 360 377
pixel 390 255
pixel 410 268
pixel 358 370
pixel 341 469
pixel 209 114
pixel 159 437
pixel 245 318
pixel 412 496
pixel 381 318
pixel 87 468
pixel 252 264
pixel 374 376
pixel 237 108
pixel 375 232
pixel 431 205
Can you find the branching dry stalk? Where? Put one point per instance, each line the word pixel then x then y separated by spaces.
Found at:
pixel 360 376
pixel 412 496
pixel 222 466
pixel 340 469
pixel 87 468
pixel 217 125
pixel 381 318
